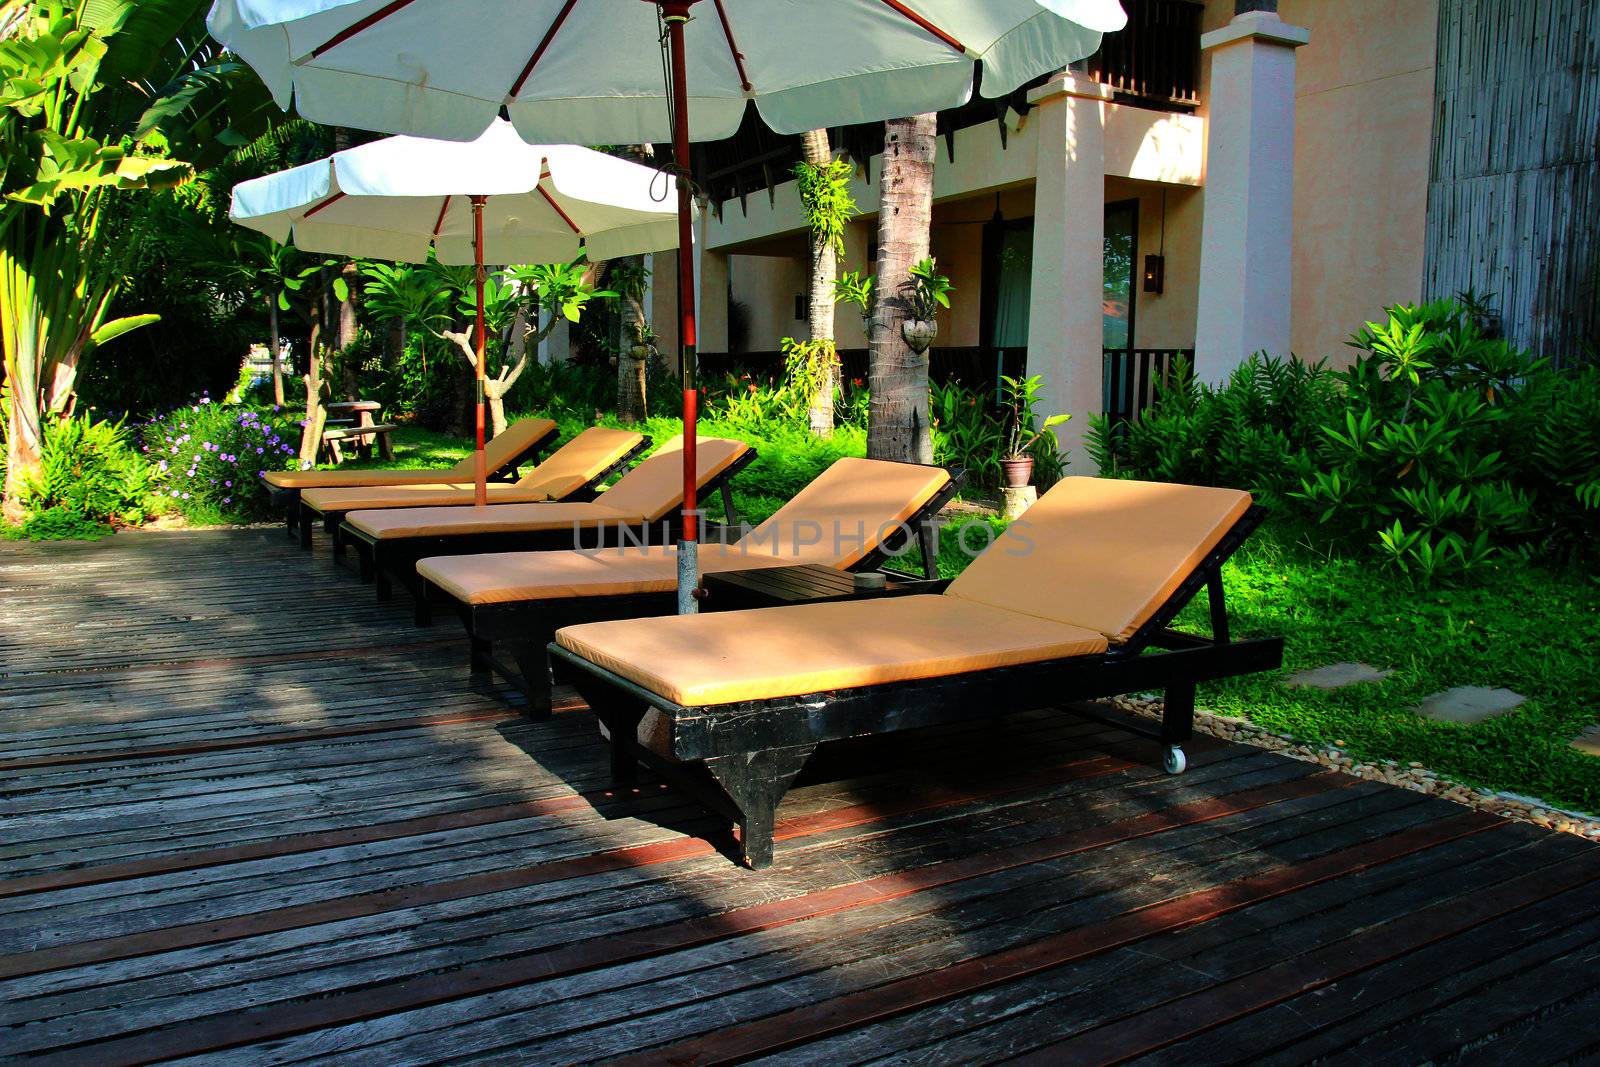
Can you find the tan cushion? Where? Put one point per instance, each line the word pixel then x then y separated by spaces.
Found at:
pixel 837 520
pixel 846 512
pixel 415 496
pixel 655 487
pixel 505 577
pixel 495 518
pixel 579 462
pixel 349 478
pixel 518 438
pixel 1101 553
pixel 727 656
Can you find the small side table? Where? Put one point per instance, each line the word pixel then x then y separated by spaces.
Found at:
pixel 766 587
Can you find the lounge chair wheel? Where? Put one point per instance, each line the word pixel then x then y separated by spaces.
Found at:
pixel 1174 761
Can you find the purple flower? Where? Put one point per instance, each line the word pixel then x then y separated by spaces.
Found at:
pixel 260 451
pixel 227 500
pixel 228 484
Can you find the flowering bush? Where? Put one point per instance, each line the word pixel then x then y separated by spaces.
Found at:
pixel 90 476
pixel 209 459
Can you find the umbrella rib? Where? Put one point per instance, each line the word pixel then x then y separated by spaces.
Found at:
pixel 564 216
pixel 357 27
pixel 334 199
pixel 544 45
pixel 902 9
pixel 439 222
pixel 738 56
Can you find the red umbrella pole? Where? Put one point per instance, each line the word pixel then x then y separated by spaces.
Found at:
pixel 480 472
pixel 676 13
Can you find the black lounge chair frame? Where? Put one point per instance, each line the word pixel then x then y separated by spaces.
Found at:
pixel 296 515
pixel 385 560
pixel 523 628
pixel 333 521
pixel 753 750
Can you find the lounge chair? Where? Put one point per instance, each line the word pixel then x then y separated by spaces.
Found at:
pixel 643 506
pixel 1065 606
pixel 521 443
pixel 852 516
pixel 575 471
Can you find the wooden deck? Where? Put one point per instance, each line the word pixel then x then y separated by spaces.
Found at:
pixel 251 816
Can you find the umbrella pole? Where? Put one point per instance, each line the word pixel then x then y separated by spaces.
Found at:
pixel 480 472
pixel 676 13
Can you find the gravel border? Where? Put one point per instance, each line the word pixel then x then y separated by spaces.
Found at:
pixel 1413 776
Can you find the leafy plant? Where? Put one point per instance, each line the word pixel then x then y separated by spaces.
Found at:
pixel 1023 430
pixel 857 289
pixel 209 459
pixel 89 477
pixel 926 290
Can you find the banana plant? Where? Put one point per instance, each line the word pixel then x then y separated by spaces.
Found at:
pixel 96 100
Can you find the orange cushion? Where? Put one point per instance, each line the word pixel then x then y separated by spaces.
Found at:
pixel 728 656
pixel 517 439
pixel 655 487
pixel 415 496
pixel 1101 553
pixel 495 518
pixel 579 462
pixel 506 577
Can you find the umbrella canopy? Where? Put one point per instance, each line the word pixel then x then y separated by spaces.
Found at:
pixel 587 71
pixel 396 198
pixel 399 197
pixel 562 70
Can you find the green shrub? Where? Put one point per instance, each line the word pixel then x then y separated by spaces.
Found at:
pixel 1437 451
pixel 90 476
pixel 210 459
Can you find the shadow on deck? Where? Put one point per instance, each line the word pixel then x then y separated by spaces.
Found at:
pixel 252 815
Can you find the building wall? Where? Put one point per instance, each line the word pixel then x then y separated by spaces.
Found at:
pixel 1363 116
pixel 1164 320
pixel 768 285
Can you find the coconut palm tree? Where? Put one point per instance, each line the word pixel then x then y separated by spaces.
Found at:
pixel 824 185
pixel 897 418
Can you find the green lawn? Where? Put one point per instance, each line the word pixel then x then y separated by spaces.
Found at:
pixel 1519 625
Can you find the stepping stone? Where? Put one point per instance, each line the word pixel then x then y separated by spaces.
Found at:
pixel 1469 704
pixel 1337 676
pixel 1588 741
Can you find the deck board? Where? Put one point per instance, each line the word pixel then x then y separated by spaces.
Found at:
pixel 251 815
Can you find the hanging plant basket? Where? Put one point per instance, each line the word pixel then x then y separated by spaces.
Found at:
pixel 919 333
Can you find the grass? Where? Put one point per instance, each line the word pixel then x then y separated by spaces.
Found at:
pixel 1520 626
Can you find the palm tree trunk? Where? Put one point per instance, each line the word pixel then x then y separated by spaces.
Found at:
pixel 824 270
pixel 276 341
pixel 632 369
pixel 897 418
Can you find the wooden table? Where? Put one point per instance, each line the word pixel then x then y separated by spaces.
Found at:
pixel 356 420
pixel 765 587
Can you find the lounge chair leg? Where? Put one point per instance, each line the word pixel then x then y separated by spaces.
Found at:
pixel 384 587
pixel 305 530
pixel 1177 726
pixel 621 719
pixel 479 655
pixel 421 610
pixel 756 783
pixel 533 663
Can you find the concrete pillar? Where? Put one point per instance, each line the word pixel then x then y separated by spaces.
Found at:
pixel 713 301
pixel 1246 242
pixel 1066 324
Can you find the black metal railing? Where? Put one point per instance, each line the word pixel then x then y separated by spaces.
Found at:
pixel 1132 374
pixel 977 367
pixel 1155 59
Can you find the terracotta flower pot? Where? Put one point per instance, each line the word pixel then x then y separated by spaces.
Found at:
pixel 1017 470
pixel 919 333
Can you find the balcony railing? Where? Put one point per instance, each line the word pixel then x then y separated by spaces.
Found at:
pixel 1132 375
pixel 1155 60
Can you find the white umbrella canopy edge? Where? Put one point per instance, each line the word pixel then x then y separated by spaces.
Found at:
pixel 355 62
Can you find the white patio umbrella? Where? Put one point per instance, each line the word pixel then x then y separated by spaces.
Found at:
pixel 398 197
pixel 564 70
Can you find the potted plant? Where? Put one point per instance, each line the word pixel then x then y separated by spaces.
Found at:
pixel 1021 395
pixel 926 291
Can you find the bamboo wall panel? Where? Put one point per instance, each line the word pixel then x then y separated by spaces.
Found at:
pixel 1514 182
